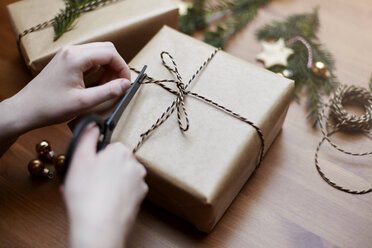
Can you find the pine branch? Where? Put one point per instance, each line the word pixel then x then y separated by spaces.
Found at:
pixel 305 25
pixel 235 14
pixel 236 22
pixel 66 18
pixel 370 84
pixel 194 19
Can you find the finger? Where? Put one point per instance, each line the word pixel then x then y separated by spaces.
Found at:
pixel 104 54
pixel 86 151
pixel 87 143
pixel 99 94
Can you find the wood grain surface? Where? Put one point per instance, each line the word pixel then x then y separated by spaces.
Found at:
pixel 284 204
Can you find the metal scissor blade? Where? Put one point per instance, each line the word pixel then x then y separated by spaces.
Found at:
pixel 113 119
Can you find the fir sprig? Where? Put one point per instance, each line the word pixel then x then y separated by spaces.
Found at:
pixel 224 19
pixel 194 19
pixel 305 25
pixel 66 18
pixel 242 13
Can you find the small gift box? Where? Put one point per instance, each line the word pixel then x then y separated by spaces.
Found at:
pixel 197 170
pixel 129 24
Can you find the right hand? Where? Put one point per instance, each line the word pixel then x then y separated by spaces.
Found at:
pixel 103 192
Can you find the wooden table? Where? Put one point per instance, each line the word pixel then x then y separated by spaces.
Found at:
pixel 284 204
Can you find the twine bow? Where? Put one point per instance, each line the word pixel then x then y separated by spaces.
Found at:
pixel 179 104
pixel 345 122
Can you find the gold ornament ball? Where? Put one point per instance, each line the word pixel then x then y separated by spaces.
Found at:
pixel 320 69
pixel 48 156
pixel 36 167
pixel 43 147
pixel 59 163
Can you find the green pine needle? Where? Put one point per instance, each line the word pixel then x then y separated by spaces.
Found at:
pixel 194 19
pixel 370 84
pixel 66 18
pixel 233 16
pixel 305 25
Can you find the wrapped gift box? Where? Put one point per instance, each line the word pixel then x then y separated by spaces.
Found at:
pixel 197 174
pixel 129 24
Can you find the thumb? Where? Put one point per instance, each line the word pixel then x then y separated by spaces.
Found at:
pixel 98 94
pixel 87 143
pixel 85 151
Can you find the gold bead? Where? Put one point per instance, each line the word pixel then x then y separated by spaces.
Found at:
pixel 36 167
pixel 44 150
pixel 59 163
pixel 43 147
pixel 320 69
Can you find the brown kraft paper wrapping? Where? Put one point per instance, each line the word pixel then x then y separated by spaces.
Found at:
pixel 197 174
pixel 129 24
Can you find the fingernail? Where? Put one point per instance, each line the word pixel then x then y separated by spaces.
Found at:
pixel 125 84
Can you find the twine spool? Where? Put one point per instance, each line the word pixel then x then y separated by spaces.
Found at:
pixel 351 122
pixel 345 121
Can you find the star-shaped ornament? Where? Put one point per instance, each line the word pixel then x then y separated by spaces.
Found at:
pixel 274 53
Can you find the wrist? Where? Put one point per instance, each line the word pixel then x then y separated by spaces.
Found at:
pixel 11 121
pixel 17 111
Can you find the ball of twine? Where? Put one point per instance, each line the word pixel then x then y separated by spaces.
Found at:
pixel 345 121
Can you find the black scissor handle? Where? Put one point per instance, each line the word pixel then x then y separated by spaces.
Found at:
pixel 77 133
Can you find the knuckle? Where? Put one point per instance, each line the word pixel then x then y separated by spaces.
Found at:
pixel 66 51
pixel 109 44
pixel 128 153
pixel 142 170
pixel 145 188
pixel 113 90
pixel 121 149
pixel 82 100
pixel 117 146
pixel 88 64
pixel 69 56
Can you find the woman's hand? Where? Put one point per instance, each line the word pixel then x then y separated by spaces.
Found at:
pixel 103 192
pixel 58 93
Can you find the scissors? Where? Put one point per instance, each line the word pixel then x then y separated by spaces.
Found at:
pixel 107 126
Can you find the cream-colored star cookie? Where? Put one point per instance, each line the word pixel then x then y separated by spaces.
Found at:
pixel 274 53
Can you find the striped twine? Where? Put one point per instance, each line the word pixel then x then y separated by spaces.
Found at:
pixel 85 8
pixel 345 122
pixel 178 103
